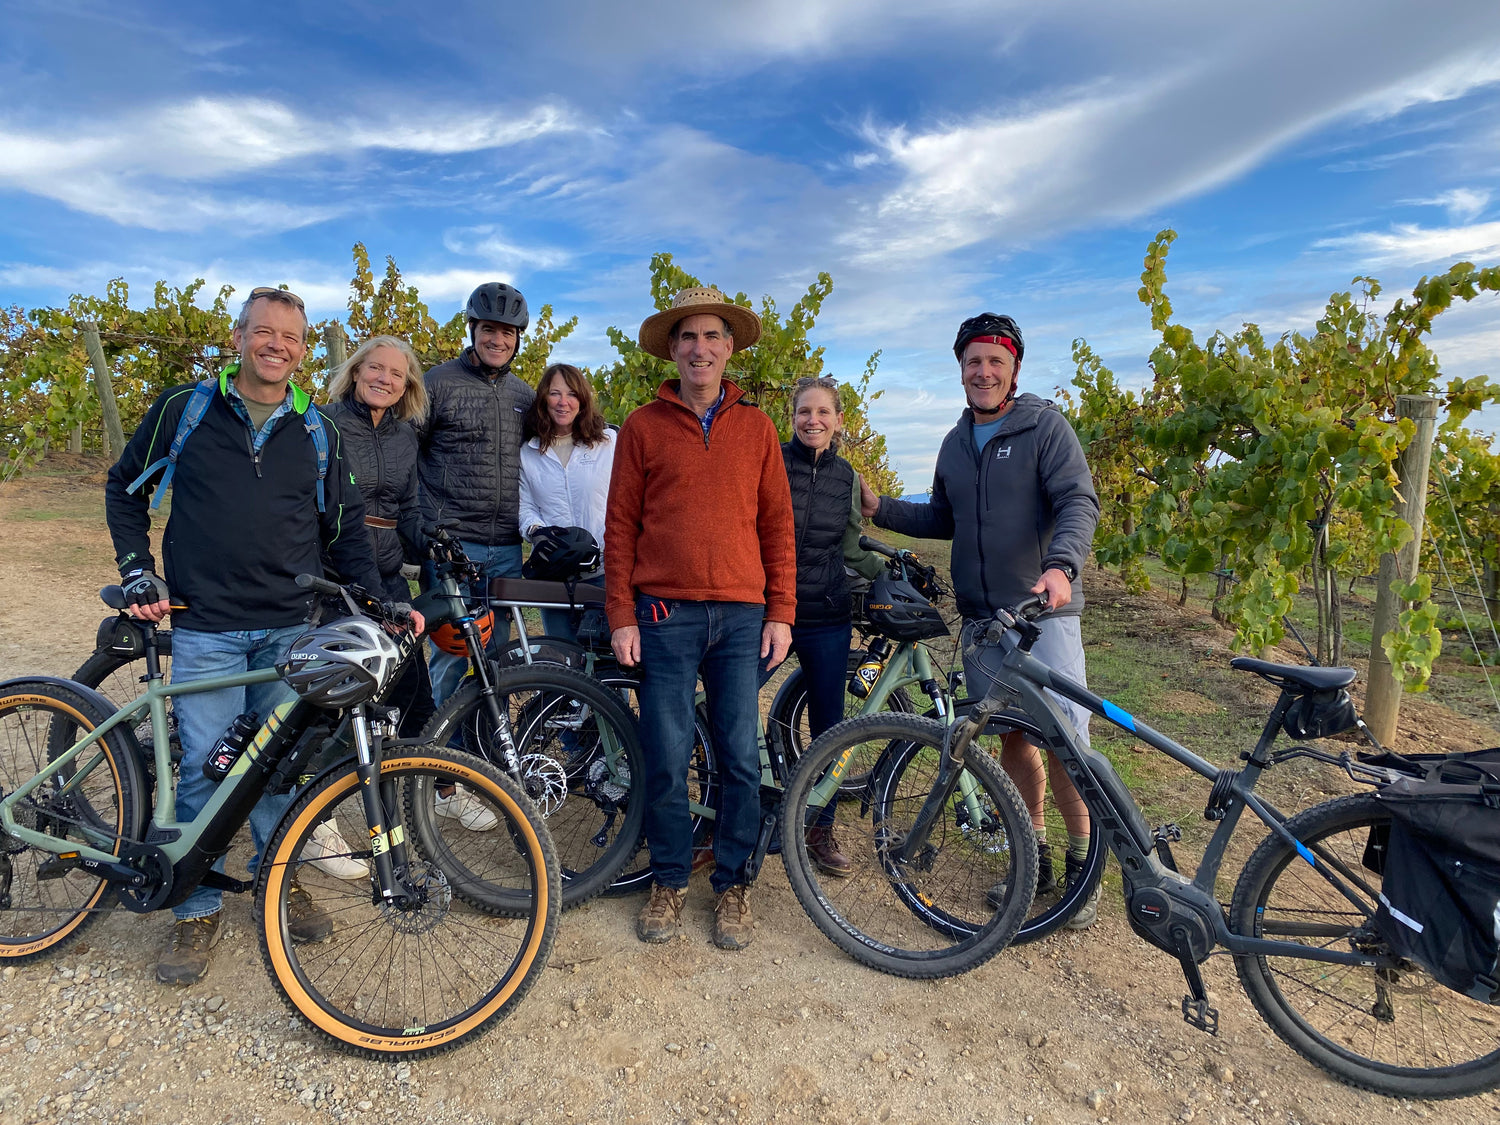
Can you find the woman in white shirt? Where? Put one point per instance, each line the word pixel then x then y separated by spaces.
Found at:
pixel 566 460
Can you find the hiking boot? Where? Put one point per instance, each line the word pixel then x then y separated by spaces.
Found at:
pixel 1046 879
pixel 733 926
pixel 1088 913
pixel 186 959
pixel 824 850
pixel 467 809
pixel 661 918
pixel 305 920
pixel 328 851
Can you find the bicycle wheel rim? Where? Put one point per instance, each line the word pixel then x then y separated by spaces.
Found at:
pixel 365 986
pixel 34 728
pixel 869 911
pixel 1435 1042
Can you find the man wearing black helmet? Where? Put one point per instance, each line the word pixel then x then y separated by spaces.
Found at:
pixel 470 462
pixel 1013 492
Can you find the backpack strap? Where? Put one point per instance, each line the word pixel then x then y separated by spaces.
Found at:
pixel 192 414
pixel 313 421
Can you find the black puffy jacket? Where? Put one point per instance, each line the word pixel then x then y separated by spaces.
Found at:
pixel 383 459
pixel 827 533
pixel 470 462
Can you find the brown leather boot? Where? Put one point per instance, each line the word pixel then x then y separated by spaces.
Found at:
pixel 661 918
pixel 186 959
pixel 825 853
pixel 733 926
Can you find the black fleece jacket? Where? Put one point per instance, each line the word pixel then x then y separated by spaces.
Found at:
pixel 242 526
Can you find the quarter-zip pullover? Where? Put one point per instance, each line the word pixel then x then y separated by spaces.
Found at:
pixel 699 516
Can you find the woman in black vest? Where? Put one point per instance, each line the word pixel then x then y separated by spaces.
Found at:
pixel 825 510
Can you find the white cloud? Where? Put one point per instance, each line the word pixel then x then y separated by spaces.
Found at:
pixel 1462 204
pixel 136 170
pixel 1408 244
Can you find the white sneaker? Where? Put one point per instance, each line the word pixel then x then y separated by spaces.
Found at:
pixel 467 809
pixel 327 850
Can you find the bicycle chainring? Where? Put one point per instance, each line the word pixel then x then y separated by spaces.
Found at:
pixel 156 888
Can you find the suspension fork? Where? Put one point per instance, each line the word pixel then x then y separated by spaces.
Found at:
pixel 387 832
pixel 950 774
pixel 490 700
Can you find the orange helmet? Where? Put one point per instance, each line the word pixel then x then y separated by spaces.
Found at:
pixel 450 639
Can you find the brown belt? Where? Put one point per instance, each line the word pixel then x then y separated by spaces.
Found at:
pixel 376 521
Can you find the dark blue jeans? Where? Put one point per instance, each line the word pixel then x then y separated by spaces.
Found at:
pixel 679 642
pixel 823 652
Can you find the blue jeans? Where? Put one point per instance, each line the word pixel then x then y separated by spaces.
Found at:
pixel 823 652
pixel 680 641
pixel 201 719
pixel 500 561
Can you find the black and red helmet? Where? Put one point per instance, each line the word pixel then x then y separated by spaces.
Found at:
pixel 895 610
pixel 990 328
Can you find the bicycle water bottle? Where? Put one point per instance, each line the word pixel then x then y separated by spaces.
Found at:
pixel 230 746
pixel 870 668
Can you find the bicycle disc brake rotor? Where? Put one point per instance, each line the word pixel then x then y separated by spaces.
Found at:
pixel 546 782
pixel 434 897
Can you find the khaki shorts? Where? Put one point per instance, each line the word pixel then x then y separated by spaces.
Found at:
pixel 1060 647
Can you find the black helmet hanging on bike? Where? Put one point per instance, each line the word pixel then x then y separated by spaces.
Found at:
pixel 495 301
pixel 341 664
pixel 561 553
pixel 990 328
pixel 895 610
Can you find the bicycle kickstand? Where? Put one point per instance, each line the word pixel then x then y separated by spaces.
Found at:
pixel 1195 1009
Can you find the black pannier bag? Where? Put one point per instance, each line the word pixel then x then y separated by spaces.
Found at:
pixel 1440 899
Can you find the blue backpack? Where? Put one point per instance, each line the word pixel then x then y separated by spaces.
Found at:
pixel 198 404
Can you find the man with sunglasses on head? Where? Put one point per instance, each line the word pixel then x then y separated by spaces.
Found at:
pixel 255 502
pixel 1013 491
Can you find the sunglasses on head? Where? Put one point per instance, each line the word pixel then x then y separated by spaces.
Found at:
pixel 276 294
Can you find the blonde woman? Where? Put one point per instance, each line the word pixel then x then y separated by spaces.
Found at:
pixel 378 401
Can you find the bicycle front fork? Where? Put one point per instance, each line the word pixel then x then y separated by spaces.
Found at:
pixel 950 773
pixel 382 811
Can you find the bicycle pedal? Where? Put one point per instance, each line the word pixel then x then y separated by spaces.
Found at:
pixel 55 867
pixel 1200 1015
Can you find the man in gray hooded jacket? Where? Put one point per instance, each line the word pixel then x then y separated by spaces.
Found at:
pixel 1013 492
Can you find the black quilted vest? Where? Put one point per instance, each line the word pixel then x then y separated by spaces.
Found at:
pixel 820 508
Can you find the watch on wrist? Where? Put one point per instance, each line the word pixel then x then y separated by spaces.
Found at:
pixel 1068 569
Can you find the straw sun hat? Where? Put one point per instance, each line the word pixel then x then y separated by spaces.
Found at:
pixel 656 330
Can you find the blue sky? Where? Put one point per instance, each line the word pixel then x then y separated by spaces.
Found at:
pixel 938 159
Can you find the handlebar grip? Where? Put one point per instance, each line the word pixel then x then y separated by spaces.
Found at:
pixel 875 545
pixel 321 585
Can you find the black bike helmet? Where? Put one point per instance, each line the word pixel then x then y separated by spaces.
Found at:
pixel 501 303
pixel 989 324
pixel 561 553
pixel 895 609
pixel 341 664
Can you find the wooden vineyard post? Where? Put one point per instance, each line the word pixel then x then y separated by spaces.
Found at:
pixel 1383 700
pixel 335 345
pixel 104 386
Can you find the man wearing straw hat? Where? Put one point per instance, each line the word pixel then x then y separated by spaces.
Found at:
pixel 701 579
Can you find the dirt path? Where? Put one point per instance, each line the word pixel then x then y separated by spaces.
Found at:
pixel 1079 1028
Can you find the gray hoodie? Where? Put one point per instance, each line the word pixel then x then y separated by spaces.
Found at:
pixel 1022 504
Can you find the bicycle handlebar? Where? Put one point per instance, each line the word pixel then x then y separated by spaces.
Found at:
pixel 1023 613
pixel 879 548
pixel 359 601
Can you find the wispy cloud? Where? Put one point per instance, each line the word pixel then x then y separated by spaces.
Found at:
pixel 1462 204
pixel 1411 245
pixel 151 169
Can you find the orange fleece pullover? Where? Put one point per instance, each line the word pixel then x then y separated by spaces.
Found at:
pixel 699 519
